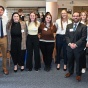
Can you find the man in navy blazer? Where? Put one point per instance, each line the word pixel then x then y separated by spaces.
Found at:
pixel 76 34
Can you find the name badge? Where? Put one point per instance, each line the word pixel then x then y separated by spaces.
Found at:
pixel 34 28
pixel 45 29
pixel 71 30
pixel 22 30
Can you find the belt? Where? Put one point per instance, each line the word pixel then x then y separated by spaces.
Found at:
pixel 4 36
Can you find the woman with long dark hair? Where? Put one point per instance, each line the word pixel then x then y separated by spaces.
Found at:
pixel 46 32
pixel 16 33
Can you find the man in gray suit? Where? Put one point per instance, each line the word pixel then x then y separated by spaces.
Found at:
pixel 76 34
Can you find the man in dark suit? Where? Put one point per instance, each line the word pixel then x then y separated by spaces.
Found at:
pixel 76 34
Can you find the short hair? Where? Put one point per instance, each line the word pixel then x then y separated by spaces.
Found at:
pixel 20 10
pixel 2 7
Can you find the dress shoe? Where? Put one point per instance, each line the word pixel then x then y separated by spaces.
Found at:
pixel 65 69
pixel 15 70
pixel 78 78
pixel 22 68
pixel 30 69
pixel 5 71
pixel 58 68
pixel 68 75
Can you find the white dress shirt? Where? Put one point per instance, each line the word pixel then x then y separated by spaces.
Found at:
pixel 58 25
pixel 4 23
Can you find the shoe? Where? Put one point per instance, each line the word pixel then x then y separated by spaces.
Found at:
pixel 58 67
pixel 5 71
pixel 15 68
pixel 22 68
pixel 47 69
pixel 83 70
pixel 65 68
pixel 68 75
pixel 78 78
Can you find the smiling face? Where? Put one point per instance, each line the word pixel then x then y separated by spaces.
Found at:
pixel 64 14
pixel 16 18
pixel 83 16
pixel 76 17
pixel 48 19
pixel 1 11
pixel 32 17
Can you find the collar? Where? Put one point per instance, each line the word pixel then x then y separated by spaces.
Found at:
pixel 76 23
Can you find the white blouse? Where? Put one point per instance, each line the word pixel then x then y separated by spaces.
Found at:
pixel 58 25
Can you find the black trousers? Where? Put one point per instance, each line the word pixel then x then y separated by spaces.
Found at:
pixel 33 45
pixel 47 51
pixel 23 53
pixel 16 51
pixel 61 44
pixel 72 58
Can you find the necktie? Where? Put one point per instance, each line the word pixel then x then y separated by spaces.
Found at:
pixel 74 27
pixel 1 27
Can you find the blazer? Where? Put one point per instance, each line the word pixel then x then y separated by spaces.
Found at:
pixel 78 37
pixel 24 36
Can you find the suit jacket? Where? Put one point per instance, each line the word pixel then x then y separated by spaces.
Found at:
pixel 78 37
pixel 24 35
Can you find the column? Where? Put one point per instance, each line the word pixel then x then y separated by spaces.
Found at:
pixel 52 7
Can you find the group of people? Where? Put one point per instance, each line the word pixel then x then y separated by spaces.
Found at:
pixel 32 36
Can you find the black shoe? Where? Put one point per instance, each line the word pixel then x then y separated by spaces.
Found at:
pixel 65 69
pixel 58 68
pixel 36 69
pixel 15 70
pixel 22 69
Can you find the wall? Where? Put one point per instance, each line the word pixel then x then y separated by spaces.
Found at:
pixel 2 2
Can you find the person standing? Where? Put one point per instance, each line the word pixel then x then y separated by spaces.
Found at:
pixel 3 40
pixel 16 32
pixel 83 20
pixel 76 34
pixel 60 38
pixel 46 32
pixel 33 43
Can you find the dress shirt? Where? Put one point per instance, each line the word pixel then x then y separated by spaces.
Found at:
pixel 4 23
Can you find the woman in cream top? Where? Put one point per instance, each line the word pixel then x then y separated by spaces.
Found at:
pixel 32 43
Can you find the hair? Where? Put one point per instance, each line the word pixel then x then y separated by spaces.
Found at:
pixel 62 18
pixel 35 21
pixel 86 22
pixel 11 20
pixel 2 8
pixel 20 10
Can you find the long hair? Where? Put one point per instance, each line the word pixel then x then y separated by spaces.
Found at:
pixel 62 19
pixel 11 20
pixel 86 22
pixel 35 21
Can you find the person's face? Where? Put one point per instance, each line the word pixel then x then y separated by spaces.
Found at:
pixel 48 19
pixel 1 11
pixel 16 18
pixel 64 14
pixel 76 17
pixel 32 17
pixel 83 16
